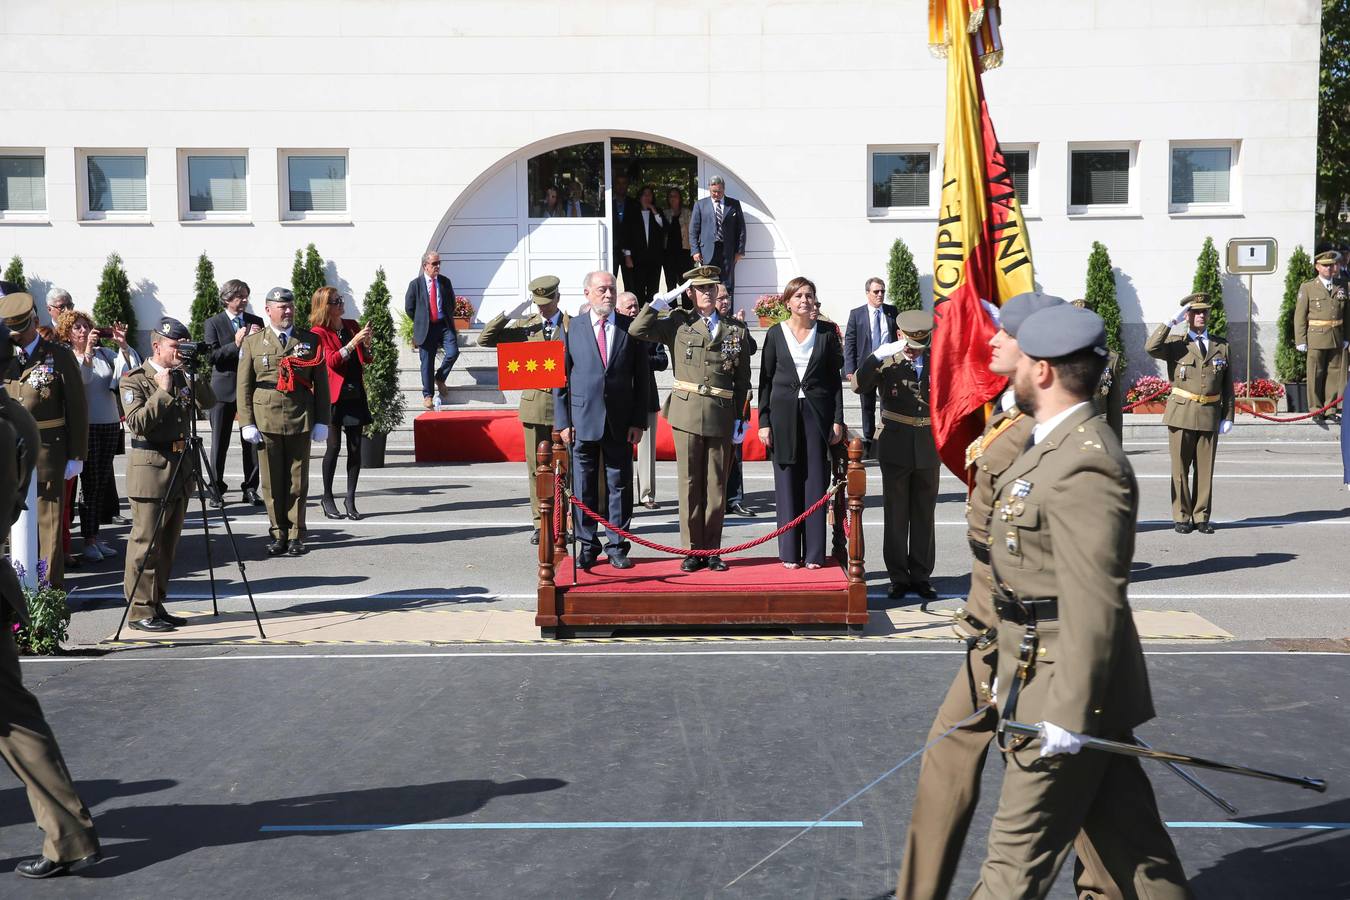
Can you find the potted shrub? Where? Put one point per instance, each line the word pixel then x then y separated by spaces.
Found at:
pixel 381 374
pixel 48 616
pixel 1152 387
pixel 463 313
pixel 1291 366
pixel 770 309
pixel 1259 395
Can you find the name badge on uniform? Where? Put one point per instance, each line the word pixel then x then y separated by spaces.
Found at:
pixel 1021 488
pixel 264 360
pixel 128 395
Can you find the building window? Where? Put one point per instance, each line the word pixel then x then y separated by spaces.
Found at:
pixel 315 184
pixel 23 184
pixel 900 180
pixel 1100 178
pixel 217 184
pixel 116 183
pixel 1202 175
pixel 568 182
pixel 1019 169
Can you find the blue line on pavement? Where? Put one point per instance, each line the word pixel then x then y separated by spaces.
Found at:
pixel 554 826
pixel 1292 826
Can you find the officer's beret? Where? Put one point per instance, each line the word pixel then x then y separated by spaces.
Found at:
pixel 704 275
pixel 917 327
pixel 173 329
pixel 1016 310
pixel 1327 258
pixel 1196 302
pixel 544 288
pixel 280 295
pixel 1061 329
pixel 16 310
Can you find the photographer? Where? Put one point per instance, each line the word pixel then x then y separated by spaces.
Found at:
pixel 158 403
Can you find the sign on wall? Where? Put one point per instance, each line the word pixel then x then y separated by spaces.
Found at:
pixel 1252 256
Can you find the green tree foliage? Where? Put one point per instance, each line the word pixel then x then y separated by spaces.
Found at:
pixel 1290 365
pixel 205 298
pixel 306 278
pixel 1099 295
pixel 1208 281
pixel 14 273
pixel 381 375
pixel 1333 121
pixel 902 278
pixel 113 303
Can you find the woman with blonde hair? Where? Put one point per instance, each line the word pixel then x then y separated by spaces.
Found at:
pixel 346 346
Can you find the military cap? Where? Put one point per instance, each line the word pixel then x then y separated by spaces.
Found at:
pixel 704 275
pixel 1060 330
pixel 544 288
pixel 279 295
pixel 917 327
pixel 1196 302
pixel 172 329
pixel 1016 310
pixel 17 310
pixel 1327 258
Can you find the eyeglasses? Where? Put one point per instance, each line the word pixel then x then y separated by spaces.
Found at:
pixel 434 265
pixel 876 291
pixel 338 302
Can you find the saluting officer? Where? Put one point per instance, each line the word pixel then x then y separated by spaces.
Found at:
pixel 283 405
pixel 711 359
pixel 157 403
pixel 1199 409
pixel 1319 331
pixel 26 740
pixel 47 382
pixel 545 323
pixel 1063 539
pixel 909 461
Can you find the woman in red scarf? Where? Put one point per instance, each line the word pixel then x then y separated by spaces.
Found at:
pixel 346 346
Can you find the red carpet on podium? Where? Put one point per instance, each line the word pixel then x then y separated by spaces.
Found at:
pixel 663 574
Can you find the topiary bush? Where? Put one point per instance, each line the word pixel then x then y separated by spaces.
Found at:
pixel 1099 295
pixel 1290 364
pixel 205 298
pixel 381 374
pixel 14 273
pixel 902 278
pixel 1207 281
pixel 307 276
pixel 113 303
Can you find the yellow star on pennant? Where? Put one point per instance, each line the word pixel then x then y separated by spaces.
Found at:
pixel 550 365
pixel 531 365
pixel 513 367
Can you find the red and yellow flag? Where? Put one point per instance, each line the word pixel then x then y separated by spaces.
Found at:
pixel 982 250
pixel 530 365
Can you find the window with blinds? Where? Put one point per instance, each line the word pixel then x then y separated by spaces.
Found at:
pixel 116 183
pixel 1201 174
pixel 1019 167
pixel 1099 178
pixel 900 180
pixel 217 184
pixel 317 183
pixel 23 184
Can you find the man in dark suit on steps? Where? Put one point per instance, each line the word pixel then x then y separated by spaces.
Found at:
pixel 430 303
pixel 717 232
pixel 224 332
pixel 869 326
pixel 603 406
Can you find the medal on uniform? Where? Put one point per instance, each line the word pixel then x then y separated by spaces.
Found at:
pixel 264 360
pixel 1021 488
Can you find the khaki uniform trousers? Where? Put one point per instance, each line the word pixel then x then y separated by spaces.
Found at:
pixel 909 542
pixel 284 460
pixel 533 435
pixel 645 470
pixel 30 749
pixel 1326 377
pixel 702 462
pixel 148 595
pixel 51 499
pixel 1192 473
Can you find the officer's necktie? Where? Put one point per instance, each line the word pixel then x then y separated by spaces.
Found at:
pixel 717 208
pixel 548 329
pixel 434 304
pixel 876 328
pixel 1201 343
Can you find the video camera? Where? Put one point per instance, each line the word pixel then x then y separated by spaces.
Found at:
pixel 188 350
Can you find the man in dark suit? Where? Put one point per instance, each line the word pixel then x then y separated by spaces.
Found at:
pixel 648 246
pixel 717 232
pixel 604 407
pixel 224 332
pixel 623 212
pixel 9 287
pixel 869 326
pixel 430 303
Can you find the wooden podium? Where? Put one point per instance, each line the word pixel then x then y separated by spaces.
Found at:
pixel 656 595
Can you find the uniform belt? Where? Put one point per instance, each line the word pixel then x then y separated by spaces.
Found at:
pixel 1325 323
pixel 1023 611
pixel 159 446
pixel 270 385
pixel 704 389
pixel 1202 399
pixel 44 424
pixel 905 420
pixel 979 550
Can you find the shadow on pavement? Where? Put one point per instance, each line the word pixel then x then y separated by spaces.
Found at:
pixel 1147 572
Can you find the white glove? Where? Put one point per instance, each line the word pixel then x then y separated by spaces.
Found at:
pixel 738 433
pixel 1345 345
pixel 993 692
pixel 321 432
pixel 1301 348
pixel 886 351
pixel 1225 426
pixel 251 434
pixel 992 310
pixel 520 310
pixel 73 468
pixel 662 301
pixel 1056 740
pixel 1181 317
pixel 659 303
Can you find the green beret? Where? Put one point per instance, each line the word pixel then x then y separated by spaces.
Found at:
pixel 704 275
pixel 544 289
pixel 1016 310
pixel 16 310
pixel 917 327
pixel 1061 329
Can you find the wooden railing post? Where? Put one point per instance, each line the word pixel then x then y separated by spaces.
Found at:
pixel 856 487
pixel 546 613
pixel 561 465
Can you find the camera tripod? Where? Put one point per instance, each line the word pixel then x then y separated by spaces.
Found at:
pixel 189 465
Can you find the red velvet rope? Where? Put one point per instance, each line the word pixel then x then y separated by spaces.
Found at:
pixel 1154 396
pixel 286 370
pixel 1317 412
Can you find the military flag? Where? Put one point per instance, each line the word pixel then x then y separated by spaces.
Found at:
pixel 982 250
pixel 530 365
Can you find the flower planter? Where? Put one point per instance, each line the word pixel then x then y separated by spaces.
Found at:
pixel 1152 407
pixel 1296 393
pixel 1265 405
pixel 372 450
pixel 462 324
pixel 767 321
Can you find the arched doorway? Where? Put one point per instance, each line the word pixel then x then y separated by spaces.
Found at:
pixel 500 233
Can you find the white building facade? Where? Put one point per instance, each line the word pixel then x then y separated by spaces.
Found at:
pixel 377 130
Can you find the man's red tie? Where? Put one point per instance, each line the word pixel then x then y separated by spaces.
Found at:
pixel 600 342
pixel 435 303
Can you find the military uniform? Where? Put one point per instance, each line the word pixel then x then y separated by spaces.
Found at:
pixel 909 460
pixel 1063 530
pixel 286 416
pixel 158 424
pixel 536 407
pixel 1201 399
pixel 712 383
pixel 1319 324
pixel 47 382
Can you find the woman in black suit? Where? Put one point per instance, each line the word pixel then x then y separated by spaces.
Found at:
pixel 801 412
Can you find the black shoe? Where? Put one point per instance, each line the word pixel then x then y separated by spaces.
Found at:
pixel 175 621
pixel 1205 528
pixel 252 496
pixel 329 508
pixel 740 509
pixel 897 590
pixel 1184 527
pixel 924 590
pixel 276 548
pixel 587 560
pixel 534 538
pixel 619 560
pixel 42 867
pixel 715 564
pixel 350 505
pixel 297 548
pixel 154 623
pixel 692 564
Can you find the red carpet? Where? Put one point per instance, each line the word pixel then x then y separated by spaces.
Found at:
pixel 494 435
pixel 664 575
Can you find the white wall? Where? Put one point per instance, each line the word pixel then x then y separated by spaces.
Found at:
pixel 427 96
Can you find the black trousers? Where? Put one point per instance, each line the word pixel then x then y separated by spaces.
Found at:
pixel 798 484
pixel 675 264
pixel 332 449
pixel 222 427
pixel 869 414
pixel 612 461
pixel 726 261
pixel 646 275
